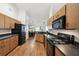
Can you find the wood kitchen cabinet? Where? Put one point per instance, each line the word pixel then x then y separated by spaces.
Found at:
pixel 4 47
pixel 8 22
pixel 58 52
pixel 8 44
pixel 60 12
pixel 72 16
pixel 13 42
pixel 71 11
pixel 50 21
pixel 1 20
pixel 18 22
pixel 40 38
pixel 50 49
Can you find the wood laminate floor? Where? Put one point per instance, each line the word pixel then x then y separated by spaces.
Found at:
pixel 30 48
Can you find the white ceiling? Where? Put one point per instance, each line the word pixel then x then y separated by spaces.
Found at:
pixel 39 12
pixel 36 11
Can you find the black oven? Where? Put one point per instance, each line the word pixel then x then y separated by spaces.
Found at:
pixel 59 23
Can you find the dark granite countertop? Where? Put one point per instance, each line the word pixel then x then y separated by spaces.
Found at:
pixel 68 50
pixel 4 36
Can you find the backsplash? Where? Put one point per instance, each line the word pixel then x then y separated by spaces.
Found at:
pixel 4 31
pixel 71 32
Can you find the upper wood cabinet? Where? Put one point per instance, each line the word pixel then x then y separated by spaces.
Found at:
pixel 60 12
pixel 72 16
pixel 8 22
pixel 50 21
pixel 71 11
pixel 1 20
pixel 18 22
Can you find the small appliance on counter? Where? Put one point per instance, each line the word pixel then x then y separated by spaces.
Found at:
pixel 20 30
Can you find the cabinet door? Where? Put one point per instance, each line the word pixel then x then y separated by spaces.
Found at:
pixel 40 38
pixel 7 22
pixel 60 12
pixel 2 48
pixel 49 49
pixel 58 52
pixel 16 41
pixel 13 23
pixel 6 44
pixel 13 42
pixel 72 16
pixel 50 20
pixel 1 21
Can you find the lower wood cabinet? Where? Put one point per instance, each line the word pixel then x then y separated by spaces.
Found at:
pixel 49 49
pixel 58 52
pixel 2 48
pixel 13 42
pixel 40 38
pixel 8 44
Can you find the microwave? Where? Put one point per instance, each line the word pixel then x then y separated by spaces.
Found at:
pixel 59 23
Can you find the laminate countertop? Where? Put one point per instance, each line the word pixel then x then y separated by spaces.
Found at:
pixel 69 50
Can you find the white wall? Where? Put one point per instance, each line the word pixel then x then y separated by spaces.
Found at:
pixel 9 9
pixel 57 6
pixel 22 15
pixel 71 32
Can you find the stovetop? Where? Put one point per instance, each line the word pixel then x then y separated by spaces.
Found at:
pixel 61 38
pixel 57 41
